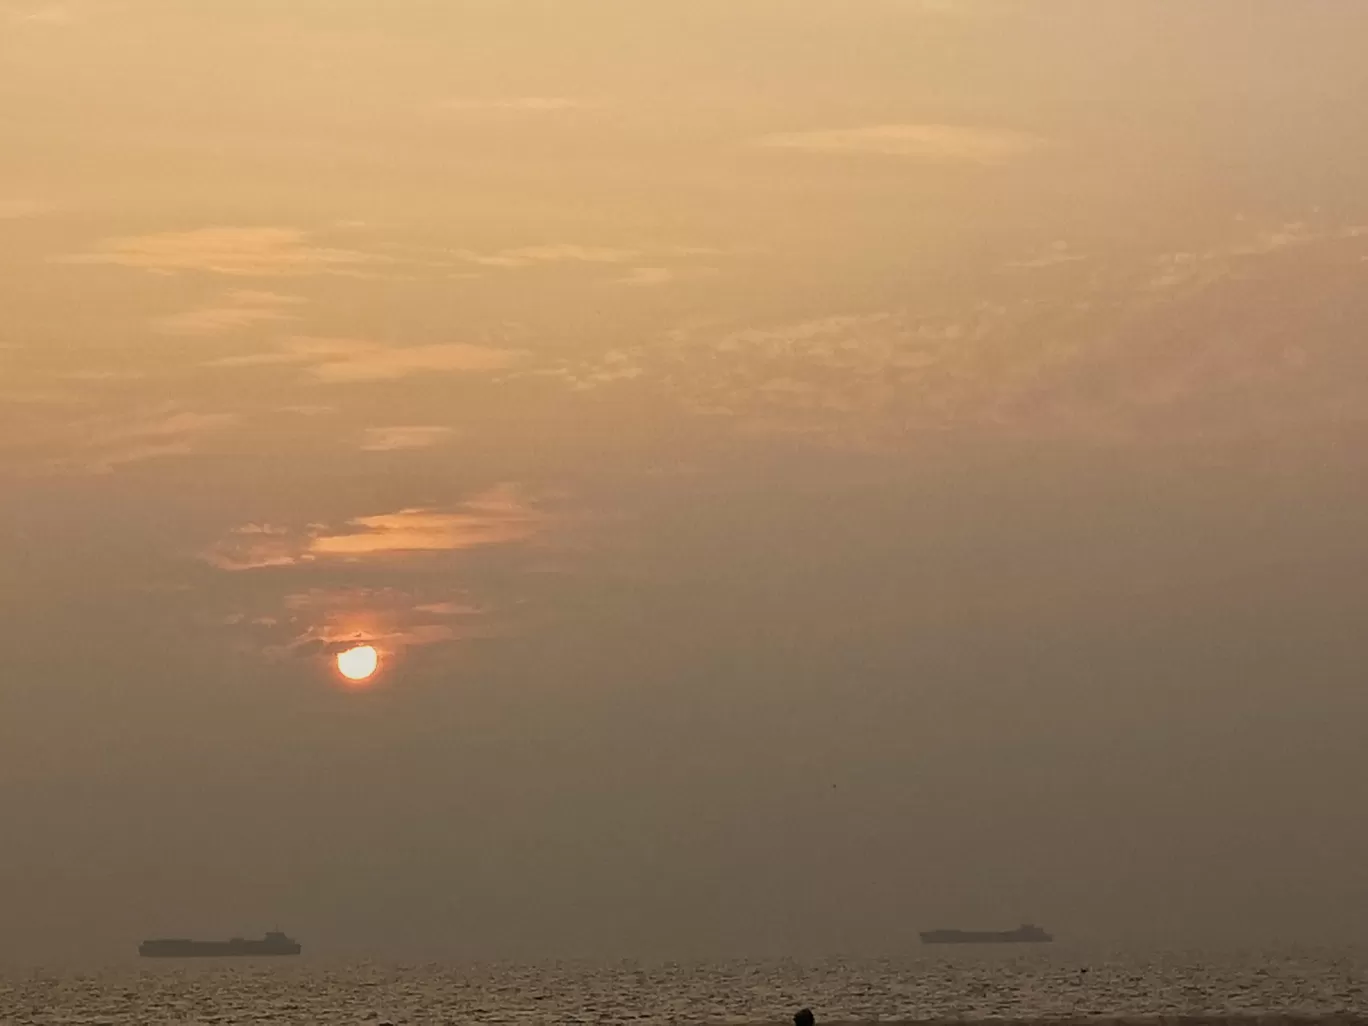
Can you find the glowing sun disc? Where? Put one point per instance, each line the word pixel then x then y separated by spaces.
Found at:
pixel 358 664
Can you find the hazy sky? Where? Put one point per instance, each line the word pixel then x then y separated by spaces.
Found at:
pixel 814 470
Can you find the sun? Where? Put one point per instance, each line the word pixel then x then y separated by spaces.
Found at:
pixel 358 664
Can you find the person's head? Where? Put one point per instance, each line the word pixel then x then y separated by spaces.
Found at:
pixel 804 1018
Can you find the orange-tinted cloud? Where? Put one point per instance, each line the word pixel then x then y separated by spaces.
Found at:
pixel 255 547
pixel 499 516
pixel 103 444
pixel 644 277
pixel 45 15
pixel 495 518
pixel 1097 360
pixel 14 209
pixel 381 364
pixel 551 253
pixel 238 252
pixel 524 104
pixel 241 308
pixel 392 619
pixel 925 142
pixel 345 361
pixel 391 439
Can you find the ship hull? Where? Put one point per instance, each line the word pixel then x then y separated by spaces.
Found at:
pixel 218 949
pixel 986 937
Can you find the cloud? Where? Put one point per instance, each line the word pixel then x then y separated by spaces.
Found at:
pixel 254 547
pixel 390 439
pixel 329 619
pixel 1054 255
pixel 67 438
pixel 952 143
pixel 241 308
pixel 448 609
pixel 172 434
pixel 1184 346
pixel 51 16
pixel 805 365
pixel 498 516
pixel 416 606
pixel 643 277
pixel 15 209
pixel 109 462
pixel 106 375
pixel 1197 270
pixel 564 253
pixel 944 8
pixel 349 361
pixel 525 104
pixel 105 444
pixel 180 423
pixel 238 252
pixel 382 364
pixel 555 253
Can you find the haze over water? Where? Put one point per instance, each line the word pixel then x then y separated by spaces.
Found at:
pixel 809 472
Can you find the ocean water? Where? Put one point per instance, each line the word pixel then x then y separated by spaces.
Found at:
pixel 1008 984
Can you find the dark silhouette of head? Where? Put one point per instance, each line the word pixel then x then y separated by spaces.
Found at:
pixel 804 1018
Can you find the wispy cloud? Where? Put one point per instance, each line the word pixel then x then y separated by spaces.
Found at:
pixel 15 209
pixel 555 253
pixel 644 277
pixel 256 547
pixel 416 607
pixel 945 8
pixel 1054 255
pixel 954 143
pixel 1198 269
pixel 391 439
pixel 514 104
pixel 1181 346
pixel 499 516
pixel 241 308
pixel 171 435
pixel 350 361
pixel 392 619
pixel 104 444
pixel 262 252
pixel 448 609
pixel 49 15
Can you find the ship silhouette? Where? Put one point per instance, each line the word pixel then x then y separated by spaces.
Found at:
pixel 1026 933
pixel 274 943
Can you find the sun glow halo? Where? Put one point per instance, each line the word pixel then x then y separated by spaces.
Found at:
pixel 358 664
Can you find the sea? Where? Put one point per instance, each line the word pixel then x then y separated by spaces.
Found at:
pixel 1013 986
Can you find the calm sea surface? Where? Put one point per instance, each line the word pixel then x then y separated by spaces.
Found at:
pixel 977 984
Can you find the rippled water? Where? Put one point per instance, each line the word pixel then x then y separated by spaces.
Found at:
pixel 975 984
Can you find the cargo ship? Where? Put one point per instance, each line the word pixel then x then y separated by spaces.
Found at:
pixel 1026 933
pixel 274 943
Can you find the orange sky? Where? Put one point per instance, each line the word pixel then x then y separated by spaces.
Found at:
pixel 699 403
